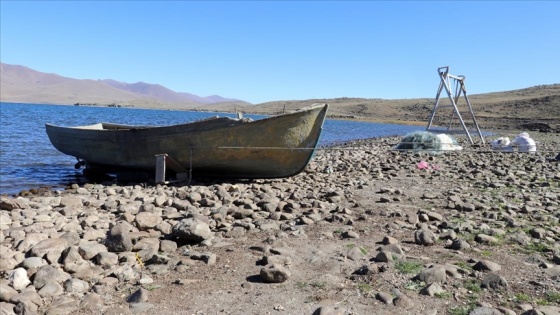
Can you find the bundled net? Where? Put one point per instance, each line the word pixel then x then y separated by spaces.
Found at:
pixel 420 141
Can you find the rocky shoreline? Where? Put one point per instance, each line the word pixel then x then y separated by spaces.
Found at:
pixel 362 230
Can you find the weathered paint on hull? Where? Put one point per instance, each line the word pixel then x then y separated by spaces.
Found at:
pixel 273 147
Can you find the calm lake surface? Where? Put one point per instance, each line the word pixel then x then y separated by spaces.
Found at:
pixel 28 160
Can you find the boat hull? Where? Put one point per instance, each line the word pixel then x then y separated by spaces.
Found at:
pixel 278 146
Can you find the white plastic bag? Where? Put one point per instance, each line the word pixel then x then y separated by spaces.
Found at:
pixel 524 143
pixel 501 144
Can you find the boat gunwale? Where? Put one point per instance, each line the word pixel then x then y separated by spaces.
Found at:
pixel 126 127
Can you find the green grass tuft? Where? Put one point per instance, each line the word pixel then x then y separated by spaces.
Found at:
pixel 408 266
pixel 473 285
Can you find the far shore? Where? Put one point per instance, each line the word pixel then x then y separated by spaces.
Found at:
pixel 245 111
pixel 491 115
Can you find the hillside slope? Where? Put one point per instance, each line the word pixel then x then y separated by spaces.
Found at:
pixel 530 108
pixel 20 84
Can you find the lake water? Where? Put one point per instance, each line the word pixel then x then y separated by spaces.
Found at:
pixel 28 160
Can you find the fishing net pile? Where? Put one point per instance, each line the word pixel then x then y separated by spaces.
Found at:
pixel 424 141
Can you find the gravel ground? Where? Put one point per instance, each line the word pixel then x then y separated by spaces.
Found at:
pixel 363 230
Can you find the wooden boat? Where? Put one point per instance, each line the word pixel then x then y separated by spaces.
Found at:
pixel 273 147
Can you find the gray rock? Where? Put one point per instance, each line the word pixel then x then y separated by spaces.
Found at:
pixel 126 273
pixel 164 227
pixel 7 308
pixel 33 262
pixel 384 297
pixel 158 259
pixel 350 234
pixel 413 219
pixel 434 216
pixel 28 296
pixel 63 306
pixel 429 195
pixel 26 308
pixel 149 243
pixel 389 240
pixel 147 220
pixel 549 309
pixel 8 264
pixel 50 289
pixel 73 261
pixel 93 234
pixel 556 258
pixel 51 249
pixel 355 254
pixel 191 229
pixel 384 257
pixel 402 300
pixel 71 202
pixel 107 260
pixel 432 289
pixel 554 272
pixel 160 201
pixel 167 246
pixel 494 282
pixel 278 259
pixel 531 311
pixel 486 239
pixel 6 292
pixel 91 274
pixel 505 311
pixel 433 274
pixel 76 286
pixel 485 311
pixel 11 204
pixel 452 271
pixel 459 244
pixel 448 235
pixel 486 265
pixel 275 273
pixel 140 295
pixel 181 204
pixel 90 250
pixel 47 274
pixel 30 240
pixel 392 248
pixel 424 237
pixel 5 222
pixel 118 239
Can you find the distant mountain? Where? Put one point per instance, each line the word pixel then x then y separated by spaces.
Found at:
pixel 212 99
pixel 162 93
pixel 24 85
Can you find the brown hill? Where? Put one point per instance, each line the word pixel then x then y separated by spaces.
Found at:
pixel 24 85
pixel 534 108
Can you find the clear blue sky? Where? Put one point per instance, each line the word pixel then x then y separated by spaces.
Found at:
pixel 262 51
